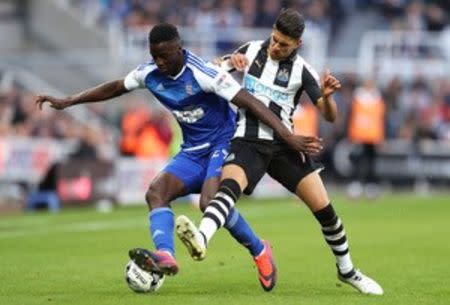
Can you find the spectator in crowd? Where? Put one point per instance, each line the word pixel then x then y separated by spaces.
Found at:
pixel 414 101
pixel 391 9
pixel 391 95
pixel 249 11
pixel 145 134
pixel 180 12
pixel 133 121
pixel 154 139
pixel 306 120
pixel 227 18
pixel 415 19
pixel 269 13
pixel 443 96
pixel 435 17
pixel 316 13
pixel 366 131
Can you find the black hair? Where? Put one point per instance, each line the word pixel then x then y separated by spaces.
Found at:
pixel 163 32
pixel 290 23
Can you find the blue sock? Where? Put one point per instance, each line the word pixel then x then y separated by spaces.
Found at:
pixel 241 231
pixel 161 229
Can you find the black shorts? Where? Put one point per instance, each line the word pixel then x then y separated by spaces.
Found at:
pixel 257 157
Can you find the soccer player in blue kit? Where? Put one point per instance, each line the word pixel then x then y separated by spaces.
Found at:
pixel 197 93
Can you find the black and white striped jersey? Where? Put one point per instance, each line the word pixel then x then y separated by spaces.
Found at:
pixel 278 84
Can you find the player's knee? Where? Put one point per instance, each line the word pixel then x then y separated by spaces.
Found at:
pixel 154 199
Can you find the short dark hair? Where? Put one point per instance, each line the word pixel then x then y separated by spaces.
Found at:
pixel 290 23
pixel 163 32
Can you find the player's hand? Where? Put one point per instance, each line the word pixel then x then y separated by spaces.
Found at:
pixel 54 102
pixel 329 84
pixel 310 145
pixel 217 61
pixel 239 61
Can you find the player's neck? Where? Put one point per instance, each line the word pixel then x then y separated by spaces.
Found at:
pixel 178 72
pixel 272 59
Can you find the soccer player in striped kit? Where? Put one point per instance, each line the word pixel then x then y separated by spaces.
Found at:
pixel 277 75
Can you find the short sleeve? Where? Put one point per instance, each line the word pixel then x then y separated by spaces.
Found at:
pixel 311 83
pixel 136 78
pixel 226 86
pixel 214 79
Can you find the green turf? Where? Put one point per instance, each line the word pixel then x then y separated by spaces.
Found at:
pixel 78 256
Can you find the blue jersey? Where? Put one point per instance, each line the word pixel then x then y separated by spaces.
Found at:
pixel 198 97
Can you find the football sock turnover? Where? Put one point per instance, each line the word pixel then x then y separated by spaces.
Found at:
pixel 334 233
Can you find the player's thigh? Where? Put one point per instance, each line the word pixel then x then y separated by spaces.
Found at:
pixel 247 163
pixel 216 160
pixel 213 172
pixel 163 189
pixel 294 172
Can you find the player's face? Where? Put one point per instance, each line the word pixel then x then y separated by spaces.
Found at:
pixel 281 46
pixel 168 56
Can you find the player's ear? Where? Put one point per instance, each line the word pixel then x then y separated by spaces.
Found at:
pixel 299 42
pixel 179 48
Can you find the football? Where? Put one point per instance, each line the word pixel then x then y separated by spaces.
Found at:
pixel 142 281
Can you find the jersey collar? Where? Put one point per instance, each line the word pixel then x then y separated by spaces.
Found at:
pixel 179 73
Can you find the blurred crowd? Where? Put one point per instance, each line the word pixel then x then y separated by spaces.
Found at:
pixel 413 15
pixel 413 110
pixel 19 117
pixel 144 131
pixel 370 111
pixel 329 15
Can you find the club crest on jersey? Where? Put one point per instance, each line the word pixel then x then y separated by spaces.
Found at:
pixel 283 75
pixel 223 82
pixel 189 89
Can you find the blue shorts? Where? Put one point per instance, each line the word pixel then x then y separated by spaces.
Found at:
pixel 194 168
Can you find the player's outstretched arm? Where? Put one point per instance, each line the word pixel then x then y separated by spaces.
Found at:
pixel 99 93
pixel 326 103
pixel 309 145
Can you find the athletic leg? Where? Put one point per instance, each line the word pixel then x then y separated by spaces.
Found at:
pixel 162 190
pixel 235 223
pixel 181 176
pixel 220 211
pixel 301 176
pixel 214 216
pixel 312 191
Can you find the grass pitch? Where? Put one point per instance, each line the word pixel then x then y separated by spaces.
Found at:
pixel 78 256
